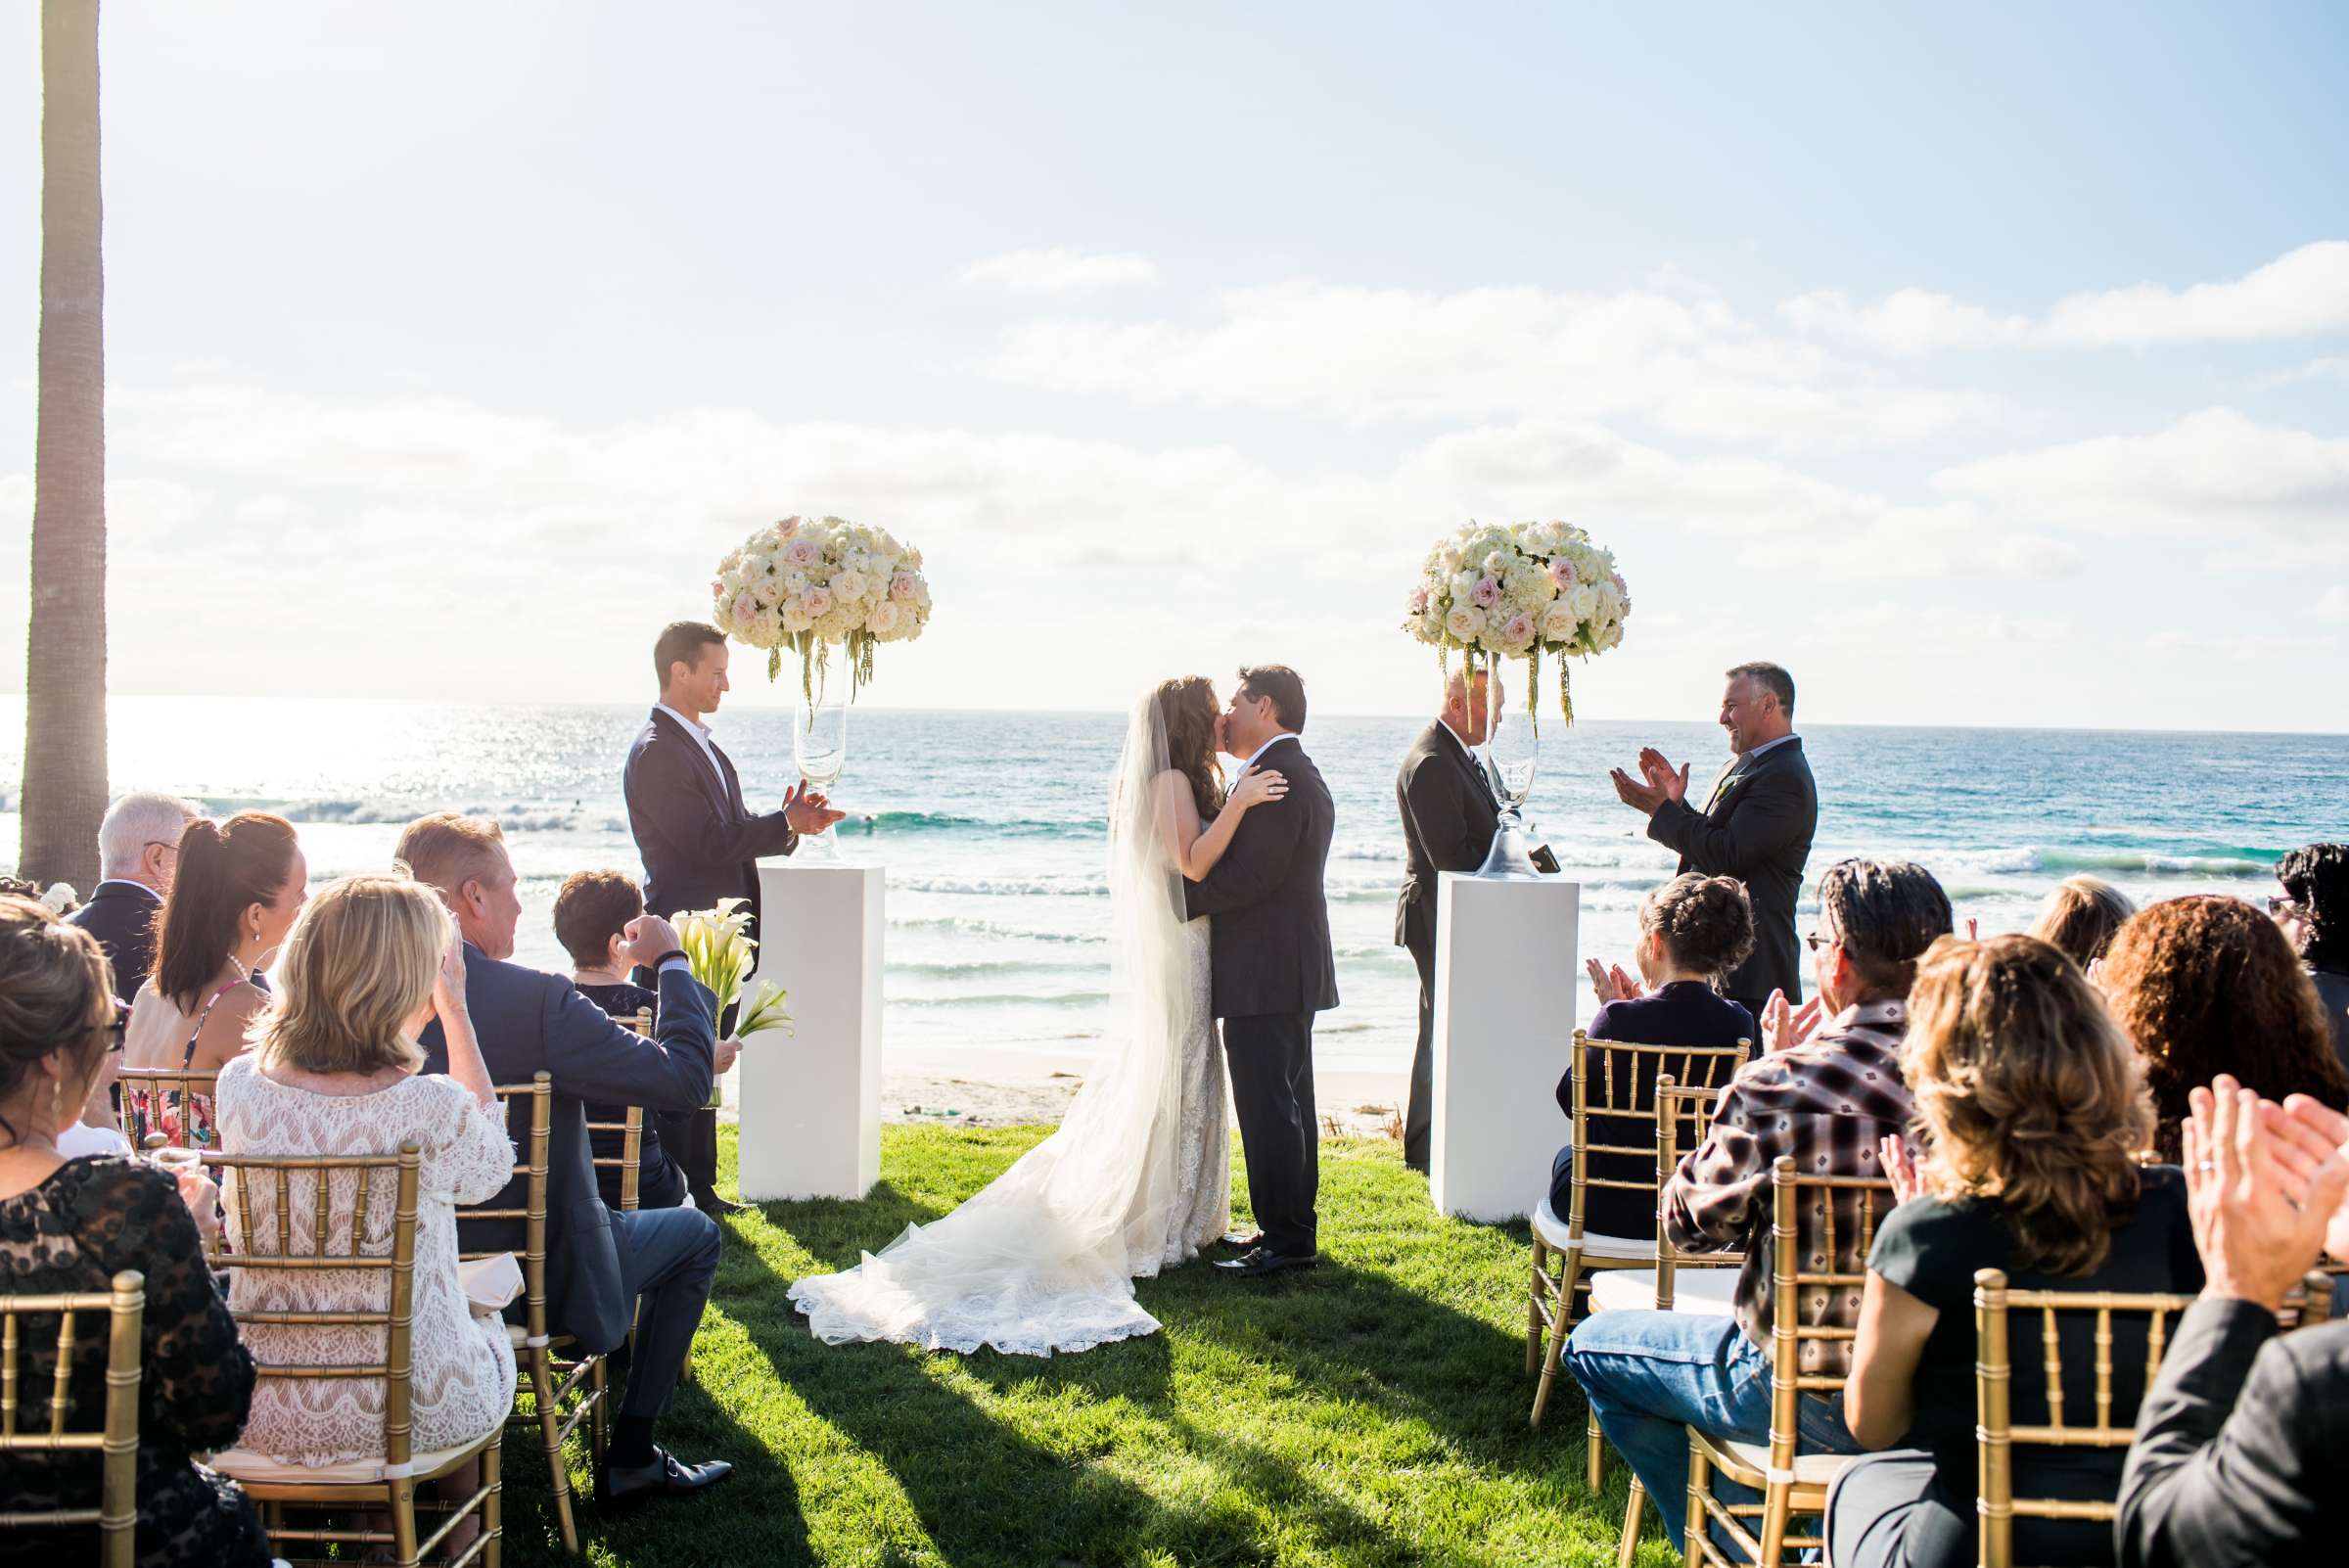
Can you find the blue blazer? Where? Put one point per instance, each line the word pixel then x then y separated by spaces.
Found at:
pixel 699 840
pixel 529 1021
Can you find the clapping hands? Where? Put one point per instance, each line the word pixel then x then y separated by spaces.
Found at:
pixel 1784 1026
pixel 1611 984
pixel 809 811
pixel 1658 781
pixel 2264 1185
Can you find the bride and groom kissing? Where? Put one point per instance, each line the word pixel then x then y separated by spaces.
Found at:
pixel 1217 913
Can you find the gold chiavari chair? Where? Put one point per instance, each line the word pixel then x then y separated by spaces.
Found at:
pixel 563 1393
pixel 167 1107
pixel 1713 1289
pixel 388 1484
pixel 2114 1424
pixel 117 1515
pixel 1608 1081
pixel 1791 1483
pixel 629 1162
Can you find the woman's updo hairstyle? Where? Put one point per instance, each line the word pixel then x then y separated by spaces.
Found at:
pixel 1707 923
pixel 56 993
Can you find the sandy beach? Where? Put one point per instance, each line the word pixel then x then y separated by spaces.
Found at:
pixel 973 1088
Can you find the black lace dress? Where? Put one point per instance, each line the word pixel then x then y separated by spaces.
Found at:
pixel 75 1233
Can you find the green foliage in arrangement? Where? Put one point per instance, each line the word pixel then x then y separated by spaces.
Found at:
pixel 1371 1411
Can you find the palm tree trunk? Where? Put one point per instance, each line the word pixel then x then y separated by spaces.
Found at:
pixel 64 665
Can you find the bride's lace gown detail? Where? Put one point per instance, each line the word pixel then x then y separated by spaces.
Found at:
pixel 1137 1178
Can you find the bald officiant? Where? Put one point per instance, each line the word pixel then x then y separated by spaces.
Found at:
pixel 1449 811
pixel 696 833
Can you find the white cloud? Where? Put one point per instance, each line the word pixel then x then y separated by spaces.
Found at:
pixel 2332 605
pixel 2208 471
pixel 1366 354
pixel 1909 321
pixel 1060 270
pixel 2301 291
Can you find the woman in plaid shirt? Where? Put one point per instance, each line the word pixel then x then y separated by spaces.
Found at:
pixel 1825 1089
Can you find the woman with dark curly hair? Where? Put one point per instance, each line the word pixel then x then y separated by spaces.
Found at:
pixel 2207 985
pixel 2030 1110
pixel 2313 913
pixel 1693 930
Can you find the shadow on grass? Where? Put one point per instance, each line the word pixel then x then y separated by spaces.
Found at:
pixel 838 1231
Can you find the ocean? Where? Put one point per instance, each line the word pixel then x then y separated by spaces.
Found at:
pixel 992 826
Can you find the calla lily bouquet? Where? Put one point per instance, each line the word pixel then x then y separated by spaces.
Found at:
pixel 717 947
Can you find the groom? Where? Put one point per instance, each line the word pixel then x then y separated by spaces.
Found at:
pixel 1272 968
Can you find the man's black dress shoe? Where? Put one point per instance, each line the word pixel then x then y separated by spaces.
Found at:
pixel 710 1203
pixel 1241 1240
pixel 666 1477
pixel 1264 1263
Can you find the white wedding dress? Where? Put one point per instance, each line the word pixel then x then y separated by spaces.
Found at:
pixel 1137 1178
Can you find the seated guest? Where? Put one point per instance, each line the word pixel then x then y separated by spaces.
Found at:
pixel 2081 916
pixel 138 850
pixel 332 1071
pixel 235 893
pixel 593 915
pixel 2314 916
pixel 1822 1094
pixel 598 1263
pixel 2030 1108
pixel 1693 930
pixel 2238 1447
pixel 2207 985
pixel 71 1226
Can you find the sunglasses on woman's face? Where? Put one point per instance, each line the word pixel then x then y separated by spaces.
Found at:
pixel 116 1031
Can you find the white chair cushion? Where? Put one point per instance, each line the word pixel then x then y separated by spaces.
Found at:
pixel 1553 1231
pixel 1694 1291
pixel 242 1464
pixel 1810 1470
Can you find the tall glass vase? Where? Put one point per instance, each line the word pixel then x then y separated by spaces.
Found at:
pixel 1513 753
pixel 819 743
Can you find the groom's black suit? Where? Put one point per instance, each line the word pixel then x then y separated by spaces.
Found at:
pixel 1274 969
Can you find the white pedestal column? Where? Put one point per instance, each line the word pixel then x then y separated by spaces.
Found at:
pixel 1505 967
pixel 811 1103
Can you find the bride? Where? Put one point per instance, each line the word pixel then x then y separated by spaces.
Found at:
pixel 1137 1178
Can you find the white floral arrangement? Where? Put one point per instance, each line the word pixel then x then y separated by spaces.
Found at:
pixel 1518 590
pixel 809 585
pixel 718 945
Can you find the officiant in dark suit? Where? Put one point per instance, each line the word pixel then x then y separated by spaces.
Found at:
pixel 696 833
pixel 1756 824
pixel 1449 811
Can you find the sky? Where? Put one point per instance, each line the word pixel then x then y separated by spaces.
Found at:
pixel 1984 365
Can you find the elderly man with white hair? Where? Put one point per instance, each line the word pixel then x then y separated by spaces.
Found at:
pixel 138 850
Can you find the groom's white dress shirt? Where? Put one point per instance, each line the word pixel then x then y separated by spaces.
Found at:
pixel 1287 734
pixel 701 737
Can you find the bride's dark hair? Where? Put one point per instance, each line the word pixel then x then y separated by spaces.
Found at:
pixel 1186 707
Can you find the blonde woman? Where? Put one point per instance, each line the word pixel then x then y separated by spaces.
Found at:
pixel 332 1071
pixel 2081 916
pixel 2030 1105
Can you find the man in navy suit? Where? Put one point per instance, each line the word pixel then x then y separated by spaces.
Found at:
pixel 1756 824
pixel 138 850
pixel 698 836
pixel 598 1263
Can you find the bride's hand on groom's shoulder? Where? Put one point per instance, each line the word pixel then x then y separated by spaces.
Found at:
pixel 1254 789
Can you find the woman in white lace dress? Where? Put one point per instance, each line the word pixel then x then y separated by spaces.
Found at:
pixel 1137 1178
pixel 332 1071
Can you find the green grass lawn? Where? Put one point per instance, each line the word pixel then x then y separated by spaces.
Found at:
pixel 1372 1411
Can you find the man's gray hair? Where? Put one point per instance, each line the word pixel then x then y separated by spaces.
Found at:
pixel 132 823
pixel 1771 679
pixel 1885 914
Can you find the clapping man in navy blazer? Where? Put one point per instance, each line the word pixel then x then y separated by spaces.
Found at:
pixel 699 839
pixel 599 1264
pixel 1755 826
